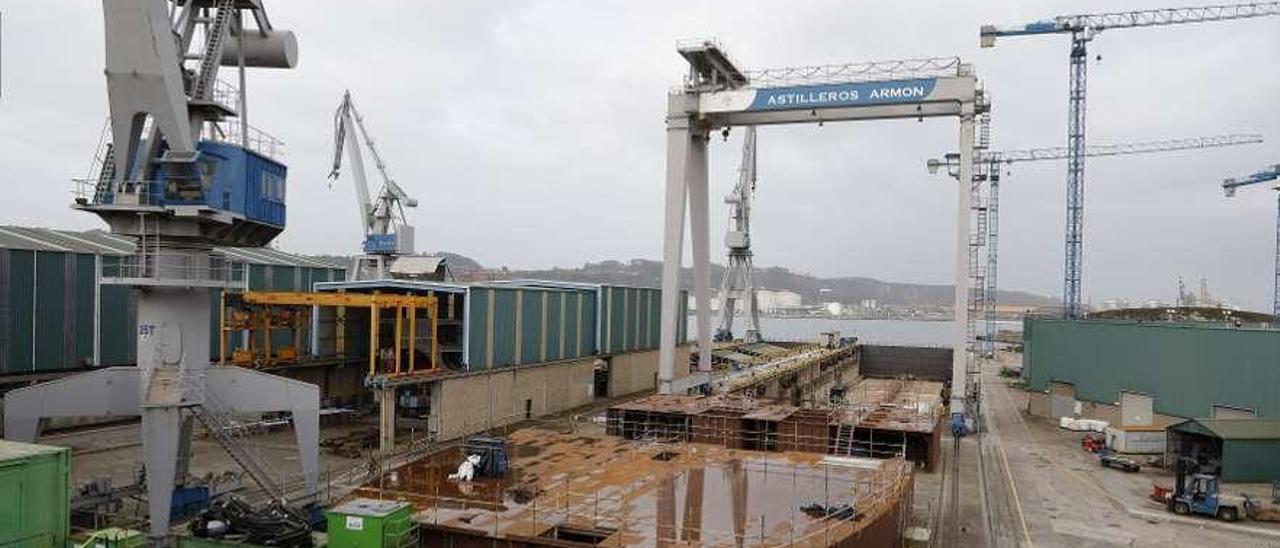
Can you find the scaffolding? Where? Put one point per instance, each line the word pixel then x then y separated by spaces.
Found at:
pixel 413 326
pixel 887 419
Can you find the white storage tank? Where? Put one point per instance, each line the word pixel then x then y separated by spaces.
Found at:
pixel 1136 440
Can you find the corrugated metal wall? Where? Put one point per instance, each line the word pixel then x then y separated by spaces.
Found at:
pixel 1186 369
pixel 632 319
pixel 522 325
pixel 47 301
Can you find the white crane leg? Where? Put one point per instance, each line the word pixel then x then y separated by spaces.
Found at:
pixel 678 144
pixel 699 211
pixel 959 361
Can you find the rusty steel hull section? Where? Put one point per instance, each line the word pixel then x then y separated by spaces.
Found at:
pixel 566 490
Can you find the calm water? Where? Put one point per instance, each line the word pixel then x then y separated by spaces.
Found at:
pixel 902 332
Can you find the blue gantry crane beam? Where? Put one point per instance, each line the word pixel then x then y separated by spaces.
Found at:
pixel 1082 29
pixel 1270 174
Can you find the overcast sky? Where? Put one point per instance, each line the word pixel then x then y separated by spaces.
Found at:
pixel 532 134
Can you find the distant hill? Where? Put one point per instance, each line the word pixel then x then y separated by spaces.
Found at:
pixel 812 289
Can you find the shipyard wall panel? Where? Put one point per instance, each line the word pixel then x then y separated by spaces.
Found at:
pixel 119 318
pixel 478 330
pixel 531 326
pixel 524 325
pixel 19 302
pixel 86 272
pixel 1186 369
pixel 631 320
pixel 588 322
pixel 504 327
pixel 555 325
pixel 50 289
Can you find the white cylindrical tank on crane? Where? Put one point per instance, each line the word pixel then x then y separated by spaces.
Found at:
pixel 263 49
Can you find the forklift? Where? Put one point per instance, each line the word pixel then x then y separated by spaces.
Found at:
pixel 1197 493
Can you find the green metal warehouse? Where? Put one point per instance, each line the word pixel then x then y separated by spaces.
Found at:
pixel 1237 450
pixel 1188 370
pixel 56 315
pixel 522 322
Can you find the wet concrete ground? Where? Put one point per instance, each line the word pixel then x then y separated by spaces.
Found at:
pixel 1044 490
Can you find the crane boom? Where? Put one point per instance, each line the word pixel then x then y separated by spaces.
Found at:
pixel 739 280
pixel 1082 29
pixel 1229 187
pixel 1094 151
pixel 1099 22
pixel 1267 175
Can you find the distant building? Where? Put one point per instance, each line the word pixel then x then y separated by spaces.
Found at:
pixel 772 300
pixel 870 304
pixel 833 308
pixel 767 300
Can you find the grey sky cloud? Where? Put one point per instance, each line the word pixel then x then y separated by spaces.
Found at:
pixel 532 134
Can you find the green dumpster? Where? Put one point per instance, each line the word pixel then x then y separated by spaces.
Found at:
pixel 370 523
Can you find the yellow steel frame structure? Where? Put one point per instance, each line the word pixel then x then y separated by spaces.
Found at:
pixel 405 306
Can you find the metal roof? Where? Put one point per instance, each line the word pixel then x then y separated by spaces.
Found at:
pixel 13 450
pixel 416 265
pixel 412 285
pixel 100 242
pixel 1232 429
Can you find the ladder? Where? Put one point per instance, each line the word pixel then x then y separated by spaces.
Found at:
pixel 231 439
pixel 103 189
pixel 212 56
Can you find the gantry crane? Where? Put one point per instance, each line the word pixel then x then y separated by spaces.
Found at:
pixel 994 159
pixel 1229 186
pixel 387 232
pixel 1082 29
pixel 739 280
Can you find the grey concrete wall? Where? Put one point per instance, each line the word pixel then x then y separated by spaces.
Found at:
pixel 473 403
pixel 921 362
pixel 1039 404
pixel 636 371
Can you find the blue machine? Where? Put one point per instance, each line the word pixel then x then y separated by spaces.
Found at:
pixel 380 244
pixel 493 455
pixel 229 178
pixel 238 194
pixel 188 500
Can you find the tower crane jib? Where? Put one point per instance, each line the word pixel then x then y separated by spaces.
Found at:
pixel 1082 29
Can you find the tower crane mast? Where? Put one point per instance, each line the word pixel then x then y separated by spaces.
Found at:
pixel 739 280
pixel 1229 187
pixel 1082 29
pixel 387 232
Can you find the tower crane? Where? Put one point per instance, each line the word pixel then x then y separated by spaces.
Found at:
pixel 1229 186
pixel 739 280
pixel 387 232
pixel 994 159
pixel 1082 29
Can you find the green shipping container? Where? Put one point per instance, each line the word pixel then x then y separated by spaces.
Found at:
pixel 35 495
pixel 369 523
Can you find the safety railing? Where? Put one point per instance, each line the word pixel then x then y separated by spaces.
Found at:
pixel 161 266
pixel 873 71
pixel 98 191
pixel 237 132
